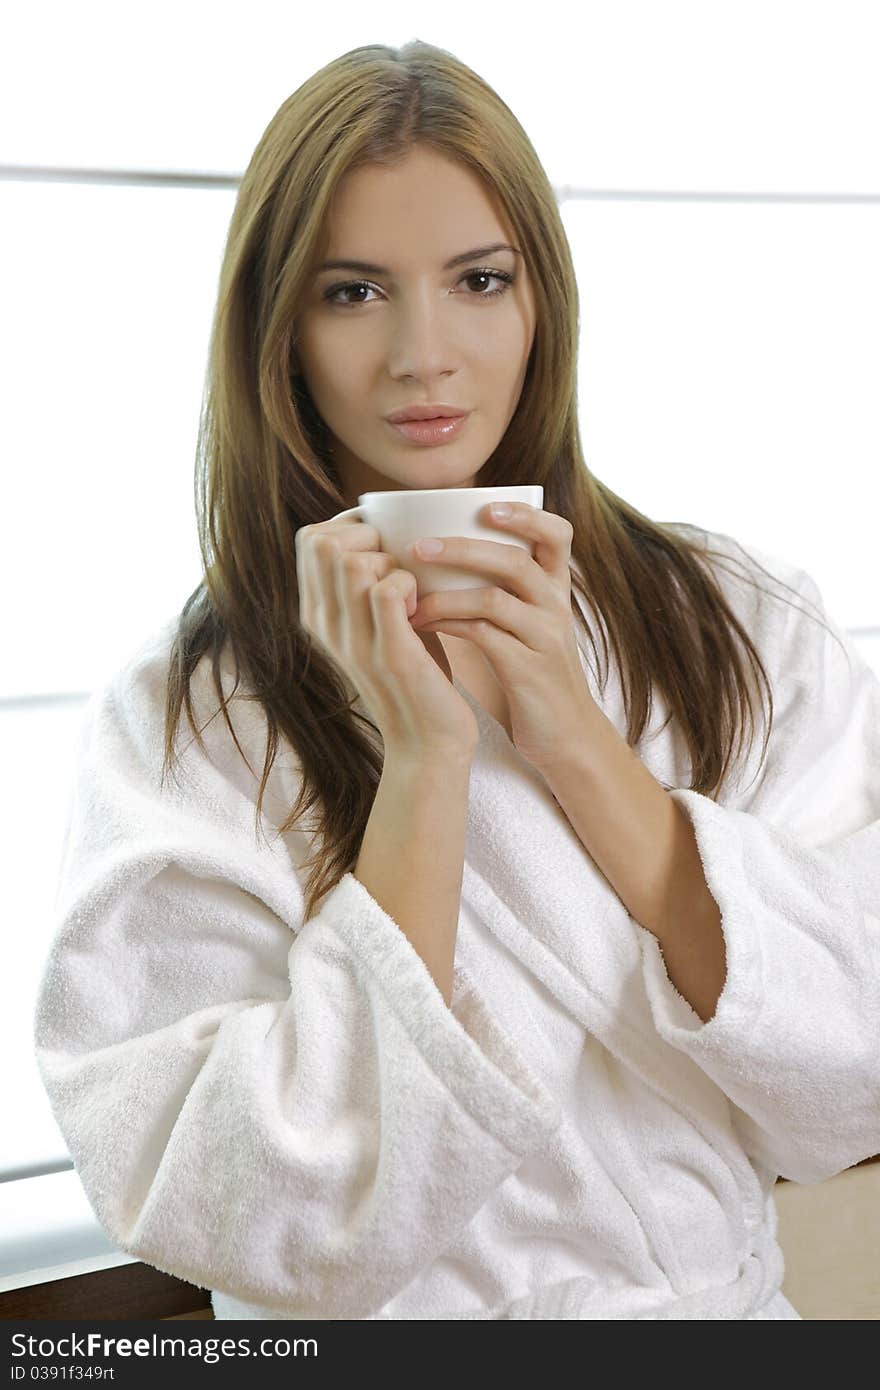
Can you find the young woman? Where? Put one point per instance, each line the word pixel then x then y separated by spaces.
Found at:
pixel 528 1018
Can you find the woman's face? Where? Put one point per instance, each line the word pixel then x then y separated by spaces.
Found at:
pixel 415 332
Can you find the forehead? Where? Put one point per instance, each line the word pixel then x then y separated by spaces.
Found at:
pixel 425 207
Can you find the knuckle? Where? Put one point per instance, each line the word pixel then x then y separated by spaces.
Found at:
pixel 385 593
pixel 351 560
pixel 326 544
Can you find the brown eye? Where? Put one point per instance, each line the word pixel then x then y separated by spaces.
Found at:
pixel 483 273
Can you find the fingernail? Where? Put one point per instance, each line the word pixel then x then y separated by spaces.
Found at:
pixel 430 547
pixel 501 509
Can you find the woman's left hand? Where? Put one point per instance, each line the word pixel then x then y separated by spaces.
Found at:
pixel 527 635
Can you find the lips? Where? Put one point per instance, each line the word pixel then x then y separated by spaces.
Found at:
pixel 425 412
pixel 436 431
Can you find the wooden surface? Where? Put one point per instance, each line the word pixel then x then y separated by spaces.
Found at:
pixel 125 1291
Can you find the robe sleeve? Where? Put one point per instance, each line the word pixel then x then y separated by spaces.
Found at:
pixel 794 1042
pixel 285 1112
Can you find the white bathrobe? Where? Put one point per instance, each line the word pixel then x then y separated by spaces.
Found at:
pixel 291 1117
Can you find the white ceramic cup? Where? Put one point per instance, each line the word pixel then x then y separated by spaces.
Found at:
pixel 411 513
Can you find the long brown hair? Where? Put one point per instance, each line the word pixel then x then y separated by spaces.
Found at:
pixel 264 468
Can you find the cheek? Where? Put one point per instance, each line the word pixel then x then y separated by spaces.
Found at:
pixel 346 363
pixel 331 375
pixel 502 375
pixel 503 350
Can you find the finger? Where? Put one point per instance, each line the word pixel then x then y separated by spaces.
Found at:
pixel 494 608
pixel 338 581
pixel 316 548
pixel 355 573
pixel 405 584
pixel 389 600
pixel 321 545
pixel 552 534
pixel 510 566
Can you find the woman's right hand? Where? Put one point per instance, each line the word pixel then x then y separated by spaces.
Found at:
pixel 356 602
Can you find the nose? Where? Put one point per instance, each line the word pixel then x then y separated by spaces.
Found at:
pixel 421 339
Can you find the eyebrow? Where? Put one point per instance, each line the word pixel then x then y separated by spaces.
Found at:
pixel 368 268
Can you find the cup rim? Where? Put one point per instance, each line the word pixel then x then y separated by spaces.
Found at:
pixel 446 491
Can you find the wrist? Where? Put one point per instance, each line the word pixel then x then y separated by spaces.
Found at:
pixel 421 764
